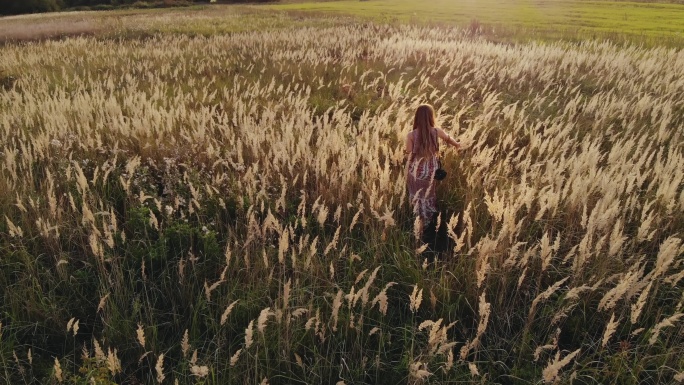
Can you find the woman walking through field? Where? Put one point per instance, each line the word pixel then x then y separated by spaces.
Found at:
pixel 422 150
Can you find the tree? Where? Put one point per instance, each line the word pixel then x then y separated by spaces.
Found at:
pixel 14 7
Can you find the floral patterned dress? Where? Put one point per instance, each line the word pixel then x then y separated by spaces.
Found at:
pixel 421 185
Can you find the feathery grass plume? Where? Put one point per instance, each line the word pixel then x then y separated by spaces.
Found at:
pixel 235 357
pixel 159 368
pixel 473 369
pixel 283 246
pixel 540 349
pixel 58 371
pixel 322 214
pixel 547 250
pixel 296 313
pixel 669 249
pixel 449 362
pixel 415 298
pixel 140 335
pixel 193 358
pixel 616 239
pixel 544 296
pixel 363 293
pixel 433 300
pixel 199 371
pixel 102 302
pixel 313 249
pixel 667 322
pixel 350 297
pixel 360 276
pixel 639 305
pixel 286 293
pixel 550 373
pixel 99 353
pixel 418 371
pixel 263 318
pixel 417 228
pixel 679 377
pixel 615 294
pixel 610 330
pixel 495 205
pixel 70 324
pixel 226 313
pixel 75 327
pixel 574 293
pixel 113 362
pixel 208 289
pixel 299 361
pixel 14 231
pixel 451 225
pixel 482 271
pixel 249 332
pixel 185 343
pixel 387 218
pixel 381 299
pixel 264 381
pixel 484 310
pixel 421 249
pixel 20 367
pixel 337 303
pixel 333 243
pixel 355 218
pixel 674 279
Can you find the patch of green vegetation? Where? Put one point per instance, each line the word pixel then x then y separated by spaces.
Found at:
pixel 654 22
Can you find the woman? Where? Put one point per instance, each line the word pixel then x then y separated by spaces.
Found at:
pixel 422 149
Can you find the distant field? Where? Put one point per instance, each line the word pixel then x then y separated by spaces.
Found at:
pixel 546 18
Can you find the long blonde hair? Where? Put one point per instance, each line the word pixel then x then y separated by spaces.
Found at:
pixel 424 142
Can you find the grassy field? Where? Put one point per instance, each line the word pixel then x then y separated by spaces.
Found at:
pixel 542 19
pixel 216 195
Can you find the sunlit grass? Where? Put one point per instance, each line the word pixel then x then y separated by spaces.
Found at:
pixel 217 196
pixel 541 19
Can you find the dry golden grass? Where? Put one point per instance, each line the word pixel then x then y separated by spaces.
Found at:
pixel 246 191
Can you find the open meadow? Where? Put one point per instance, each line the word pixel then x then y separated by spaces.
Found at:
pixel 217 195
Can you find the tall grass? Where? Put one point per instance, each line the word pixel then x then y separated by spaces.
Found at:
pixel 231 208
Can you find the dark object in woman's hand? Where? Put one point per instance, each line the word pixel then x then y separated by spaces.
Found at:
pixel 440 173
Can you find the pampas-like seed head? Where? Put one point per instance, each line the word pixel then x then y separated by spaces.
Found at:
pixel 185 344
pixel 140 334
pixel 58 370
pixel 249 332
pixel 416 298
pixel 235 357
pixel 199 371
pixel 226 313
pixel 159 368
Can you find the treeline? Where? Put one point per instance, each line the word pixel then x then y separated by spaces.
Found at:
pixel 15 7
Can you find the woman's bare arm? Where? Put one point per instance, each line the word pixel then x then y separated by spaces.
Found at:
pixel 408 151
pixel 448 139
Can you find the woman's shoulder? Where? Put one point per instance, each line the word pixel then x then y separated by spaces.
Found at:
pixel 439 132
